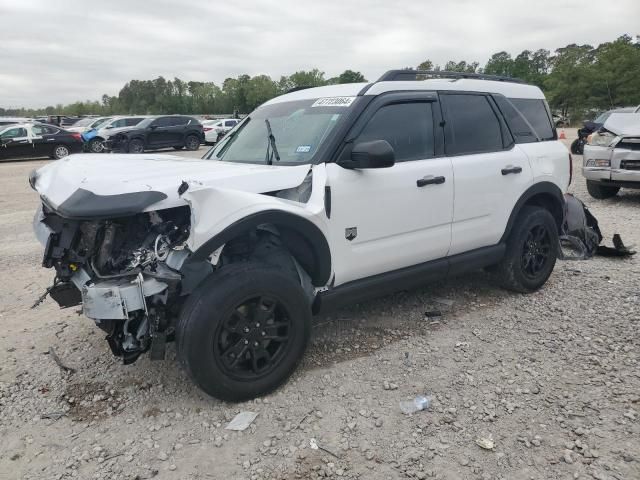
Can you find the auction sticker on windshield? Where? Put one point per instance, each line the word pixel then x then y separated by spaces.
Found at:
pixel 333 102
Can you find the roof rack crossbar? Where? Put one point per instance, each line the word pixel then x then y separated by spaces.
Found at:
pixel 410 74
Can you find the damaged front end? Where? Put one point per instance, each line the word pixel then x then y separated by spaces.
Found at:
pixel 124 272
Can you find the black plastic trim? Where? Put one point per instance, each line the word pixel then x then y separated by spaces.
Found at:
pixel 327 200
pixel 619 183
pixel 545 188
pixel 401 75
pixel 83 204
pixel 409 277
pixel 319 272
pixel 365 89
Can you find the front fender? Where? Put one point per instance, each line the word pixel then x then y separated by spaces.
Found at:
pixel 219 215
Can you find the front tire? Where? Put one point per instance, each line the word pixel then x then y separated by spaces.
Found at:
pixel 601 192
pixel 192 142
pixel 96 145
pixel 243 331
pixel 532 249
pixel 60 151
pixel 136 146
pixel 577 147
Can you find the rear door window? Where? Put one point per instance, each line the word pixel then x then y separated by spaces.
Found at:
pixel 163 122
pixel 472 125
pixel 408 127
pixel 536 113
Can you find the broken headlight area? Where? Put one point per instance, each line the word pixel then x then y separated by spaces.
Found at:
pixel 124 272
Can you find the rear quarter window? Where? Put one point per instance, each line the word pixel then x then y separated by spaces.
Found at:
pixel 537 114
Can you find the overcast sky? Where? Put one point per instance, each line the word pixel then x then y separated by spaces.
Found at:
pixel 62 51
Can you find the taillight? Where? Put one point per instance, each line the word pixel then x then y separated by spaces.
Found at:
pixel 206 129
pixel 570 168
pixel 77 136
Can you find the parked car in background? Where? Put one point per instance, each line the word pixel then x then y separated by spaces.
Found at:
pixel 560 120
pixel 152 133
pixel 37 140
pixel 110 128
pixel 13 120
pixel 88 123
pixel 612 156
pixel 588 127
pixel 214 128
pixel 57 120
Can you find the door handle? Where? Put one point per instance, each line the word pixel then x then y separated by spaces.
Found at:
pixel 511 169
pixel 430 180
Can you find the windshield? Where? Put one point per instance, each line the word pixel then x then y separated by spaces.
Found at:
pixel 84 122
pixel 299 128
pixel 99 122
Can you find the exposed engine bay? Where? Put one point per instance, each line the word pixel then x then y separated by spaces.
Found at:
pixel 122 270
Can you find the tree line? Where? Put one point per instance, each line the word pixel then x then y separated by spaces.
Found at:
pixel 576 79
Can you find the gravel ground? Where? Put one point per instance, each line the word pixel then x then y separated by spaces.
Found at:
pixel 551 379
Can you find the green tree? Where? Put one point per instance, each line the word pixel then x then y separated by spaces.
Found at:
pixel 500 63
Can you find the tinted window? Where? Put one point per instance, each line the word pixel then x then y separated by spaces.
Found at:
pixel 163 122
pixel 408 127
pixel 473 125
pixel 130 122
pixel 229 123
pixel 44 130
pixel 121 122
pixel 14 133
pixel 535 111
pixel 521 129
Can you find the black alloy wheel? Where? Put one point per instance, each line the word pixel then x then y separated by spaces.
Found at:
pixel 251 340
pixel 536 251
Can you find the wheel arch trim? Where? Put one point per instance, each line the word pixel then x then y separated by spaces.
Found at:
pixel 307 230
pixel 546 192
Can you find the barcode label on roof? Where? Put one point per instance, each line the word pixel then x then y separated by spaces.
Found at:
pixel 333 102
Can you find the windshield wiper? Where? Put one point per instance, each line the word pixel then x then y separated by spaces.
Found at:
pixel 272 150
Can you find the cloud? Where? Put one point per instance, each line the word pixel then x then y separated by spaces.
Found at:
pixel 52 52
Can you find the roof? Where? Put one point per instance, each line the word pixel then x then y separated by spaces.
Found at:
pixel 508 89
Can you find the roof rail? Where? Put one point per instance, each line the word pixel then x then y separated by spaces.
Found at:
pixel 410 74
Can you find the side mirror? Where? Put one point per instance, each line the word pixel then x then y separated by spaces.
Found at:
pixel 374 154
pixel 108 127
pixel 153 127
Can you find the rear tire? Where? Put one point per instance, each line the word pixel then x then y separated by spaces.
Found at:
pixel 243 331
pixel 532 249
pixel 60 151
pixel 136 146
pixel 577 147
pixel 192 142
pixel 601 192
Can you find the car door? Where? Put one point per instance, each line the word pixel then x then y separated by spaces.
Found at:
pixel 15 142
pixel 389 218
pixel 43 138
pixel 159 135
pixel 491 172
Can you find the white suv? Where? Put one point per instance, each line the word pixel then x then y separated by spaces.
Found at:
pixel 319 196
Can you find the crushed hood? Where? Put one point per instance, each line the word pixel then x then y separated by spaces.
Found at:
pixel 91 185
pixel 623 124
